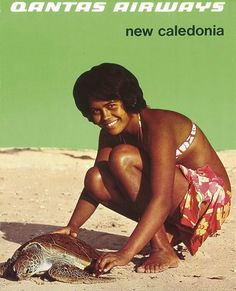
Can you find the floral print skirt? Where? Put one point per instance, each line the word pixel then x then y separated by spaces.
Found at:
pixel 204 207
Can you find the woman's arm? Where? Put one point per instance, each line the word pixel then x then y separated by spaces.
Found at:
pixel 86 205
pixel 161 149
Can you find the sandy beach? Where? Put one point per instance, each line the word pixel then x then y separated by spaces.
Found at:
pixel 39 188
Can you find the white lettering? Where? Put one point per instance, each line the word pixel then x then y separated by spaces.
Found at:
pixel 133 7
pixel 52 6
pixel 218 7
pixel 121 7
pixel 18 7
pixel 99 6
pixel 83 6
pixel 186 6
pixel 168 7
pixel 146 6
pixel 68 6
pixel 202 7
pixel 142 6
pixel 36 6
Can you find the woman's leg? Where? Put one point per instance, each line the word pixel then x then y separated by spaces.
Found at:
pixel 122 184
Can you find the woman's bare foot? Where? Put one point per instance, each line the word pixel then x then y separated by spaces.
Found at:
pixel 158 261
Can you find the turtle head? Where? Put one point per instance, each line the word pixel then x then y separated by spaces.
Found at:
pixel 28 262
pixel 24 269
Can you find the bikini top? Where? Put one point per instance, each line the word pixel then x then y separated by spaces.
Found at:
pixel 186 144
pixel 181 149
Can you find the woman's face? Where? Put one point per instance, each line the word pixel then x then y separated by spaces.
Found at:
pixel 109 115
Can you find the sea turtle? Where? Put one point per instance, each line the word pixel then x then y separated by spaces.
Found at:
pixel 61 257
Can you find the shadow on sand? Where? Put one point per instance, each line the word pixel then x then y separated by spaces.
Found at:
pixel 22 232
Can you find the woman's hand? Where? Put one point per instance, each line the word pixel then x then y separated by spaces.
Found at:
pixel 68 230
pixel 109 260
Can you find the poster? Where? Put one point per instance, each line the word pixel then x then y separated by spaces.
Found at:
pixel 183 54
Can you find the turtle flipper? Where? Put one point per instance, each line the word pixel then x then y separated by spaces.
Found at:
pixel 70 274
pixel 6 268
pixel 3 269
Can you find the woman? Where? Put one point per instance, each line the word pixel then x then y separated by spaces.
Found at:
pixel 153 166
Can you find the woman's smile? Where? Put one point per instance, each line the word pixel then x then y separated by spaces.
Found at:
pixel 110 124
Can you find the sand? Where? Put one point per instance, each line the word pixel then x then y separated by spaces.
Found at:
pixel 39 188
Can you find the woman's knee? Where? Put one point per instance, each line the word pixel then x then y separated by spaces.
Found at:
pixel 122 157
pixel 94 183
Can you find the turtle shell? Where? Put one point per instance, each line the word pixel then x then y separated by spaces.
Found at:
pixel 67 244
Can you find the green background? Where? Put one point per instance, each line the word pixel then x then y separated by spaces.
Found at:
pixel 42 54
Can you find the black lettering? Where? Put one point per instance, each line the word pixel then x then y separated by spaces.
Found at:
pixel 129 32
pixel 162 31
pixel 147 31
pixel 138 31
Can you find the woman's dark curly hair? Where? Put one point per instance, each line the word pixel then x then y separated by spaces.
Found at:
pixel 108 82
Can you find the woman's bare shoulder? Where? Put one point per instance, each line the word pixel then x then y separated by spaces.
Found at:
pixel 164 118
